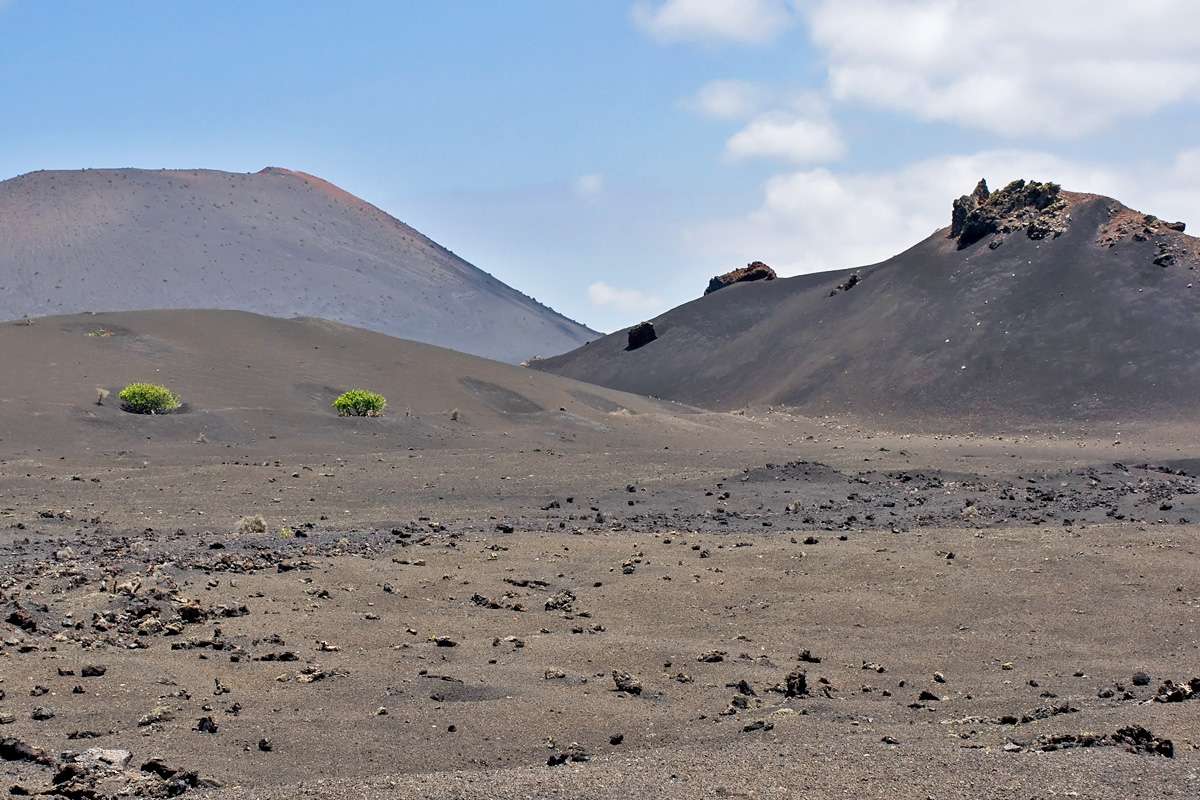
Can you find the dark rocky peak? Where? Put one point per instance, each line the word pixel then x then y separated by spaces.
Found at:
pixel 965 205
pixel 754 271
pixel 1036 208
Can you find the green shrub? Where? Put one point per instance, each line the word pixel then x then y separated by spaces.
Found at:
pixel 359 403
pixel 146 398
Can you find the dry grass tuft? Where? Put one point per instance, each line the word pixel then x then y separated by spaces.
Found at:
pixel 254 524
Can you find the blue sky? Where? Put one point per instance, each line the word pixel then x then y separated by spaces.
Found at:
pixel 608 157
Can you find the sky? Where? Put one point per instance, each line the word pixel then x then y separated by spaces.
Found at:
pixel 608 157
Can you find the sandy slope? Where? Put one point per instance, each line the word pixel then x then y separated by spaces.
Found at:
pixel 276 242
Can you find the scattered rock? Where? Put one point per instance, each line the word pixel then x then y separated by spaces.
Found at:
pixel 1171 692
pixel 177 781
pixel 92 671
pixel 42 713
pixel 626 682
pixel 797 684
pixel 157 715
pixel 104 758
pixel 310 674
pixel 574 753
pixel 758 725
pixel 561 601
pixel 712 656
pixel 16 750
pixel 847 285
pixel 754 271
pixel 1133 738
pixel 641 335
pixel 22 620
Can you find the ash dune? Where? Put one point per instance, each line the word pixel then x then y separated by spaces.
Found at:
pixel 277 242
pixel 1038 306
pixel 261 383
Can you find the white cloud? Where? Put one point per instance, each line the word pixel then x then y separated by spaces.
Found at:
pixel 729 99
pixel 816 219
pixel 743 21
pixel 1018 68
pixel 589 187
pixel 793 138
pixel 627 300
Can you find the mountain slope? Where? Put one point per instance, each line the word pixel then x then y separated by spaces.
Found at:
pixel 277 242
pixel 1079 310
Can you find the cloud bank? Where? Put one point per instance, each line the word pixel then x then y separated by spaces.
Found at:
pixel 1038 75
pixel 624 300
pixel 713 21
pixel 1019 68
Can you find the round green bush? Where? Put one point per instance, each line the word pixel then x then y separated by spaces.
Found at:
pixel 146 398
pixel 360 403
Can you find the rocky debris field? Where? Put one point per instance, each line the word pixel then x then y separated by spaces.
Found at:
pixel 914 614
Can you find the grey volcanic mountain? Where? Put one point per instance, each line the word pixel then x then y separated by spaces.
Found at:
pixel 1036 305
pixel 277 242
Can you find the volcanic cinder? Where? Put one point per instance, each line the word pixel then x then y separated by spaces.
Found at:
pixel 1081 310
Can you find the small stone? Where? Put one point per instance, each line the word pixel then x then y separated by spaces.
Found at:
pixel 265 745
pixel 104 758
pixel 626 682
pixel 758 725
pixel 158 714
pixel 42 713
pixel 797 684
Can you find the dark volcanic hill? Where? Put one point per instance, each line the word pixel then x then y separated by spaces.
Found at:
pixel 277 242
pixel 1036 306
